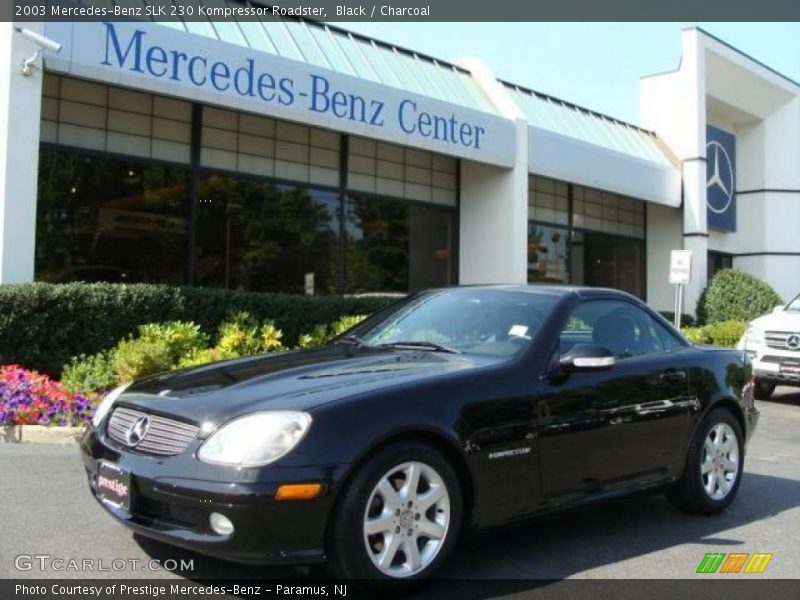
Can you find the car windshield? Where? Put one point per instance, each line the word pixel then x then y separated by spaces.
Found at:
pixel 794 305
pixel 468 320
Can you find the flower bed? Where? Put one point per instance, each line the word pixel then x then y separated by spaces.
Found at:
pixel 31 398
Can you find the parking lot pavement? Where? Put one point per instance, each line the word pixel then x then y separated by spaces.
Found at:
pixel 47 510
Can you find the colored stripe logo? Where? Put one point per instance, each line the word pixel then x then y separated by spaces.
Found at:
pixel 734 563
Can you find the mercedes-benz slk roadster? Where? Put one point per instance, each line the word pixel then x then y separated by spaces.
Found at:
pixel 453 408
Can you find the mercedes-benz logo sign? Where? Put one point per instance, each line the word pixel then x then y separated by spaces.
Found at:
pixel 137 431
pixel 793 342
pixel 721 176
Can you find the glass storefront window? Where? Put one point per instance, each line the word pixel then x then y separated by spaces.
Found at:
pixel 548 200
pixel 215 209
pixel 429 247
pixel 377 245
pixel 585 236
pixel 259 236
pixel 547 254
pixel 396 247
pixel 718 261
pixel 103 219
pixel 608 261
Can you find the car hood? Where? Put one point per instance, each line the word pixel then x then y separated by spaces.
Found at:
pixel 782 321
pixel 296 380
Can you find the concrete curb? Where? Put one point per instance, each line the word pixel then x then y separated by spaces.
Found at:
pixel 40 434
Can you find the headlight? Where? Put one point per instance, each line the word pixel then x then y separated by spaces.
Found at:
pixel 753 336
pixel 256 439
pixel 106 403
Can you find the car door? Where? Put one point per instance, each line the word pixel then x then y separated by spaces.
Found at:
pixel 606 430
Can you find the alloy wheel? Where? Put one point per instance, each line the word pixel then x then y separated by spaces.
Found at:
pixel 406 519
pixel 719 462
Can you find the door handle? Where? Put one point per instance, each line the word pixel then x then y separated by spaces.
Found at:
pixel 672 375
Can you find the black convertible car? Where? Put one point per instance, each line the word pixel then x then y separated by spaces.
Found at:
pixel 468 406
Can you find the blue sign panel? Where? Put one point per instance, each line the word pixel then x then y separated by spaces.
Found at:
pixel 720 179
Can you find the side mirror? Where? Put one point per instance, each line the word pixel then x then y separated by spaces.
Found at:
pixel 587 357
pixel 778 309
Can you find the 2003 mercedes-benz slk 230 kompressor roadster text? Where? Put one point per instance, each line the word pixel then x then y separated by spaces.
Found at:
pixel 468 406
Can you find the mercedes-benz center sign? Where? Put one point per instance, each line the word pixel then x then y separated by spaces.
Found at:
pixel 146 55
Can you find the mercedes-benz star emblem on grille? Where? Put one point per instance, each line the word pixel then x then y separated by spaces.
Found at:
pixel 793 342
pixel 137 431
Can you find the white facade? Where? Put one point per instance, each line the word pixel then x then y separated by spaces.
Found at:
pixel 719 86
pixel 646 185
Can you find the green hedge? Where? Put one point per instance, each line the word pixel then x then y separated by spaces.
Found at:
pixel 724 333
pixel 734 295
pixel 43 325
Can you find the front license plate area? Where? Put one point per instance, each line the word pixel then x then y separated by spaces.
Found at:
pixel 114 485
pixel 790 368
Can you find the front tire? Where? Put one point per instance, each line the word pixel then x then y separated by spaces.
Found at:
pixel 763 390
pixel 714 466
pixel 397 519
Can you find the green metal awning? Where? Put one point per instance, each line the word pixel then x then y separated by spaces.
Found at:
pixel 570 120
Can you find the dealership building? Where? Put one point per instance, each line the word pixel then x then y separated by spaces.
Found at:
pixel 296 156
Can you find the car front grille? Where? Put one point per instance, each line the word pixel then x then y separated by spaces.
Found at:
pixel 778 339
pixel 165 437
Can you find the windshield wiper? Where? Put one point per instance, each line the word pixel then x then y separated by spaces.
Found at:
pixel 430 346
pixel 352 340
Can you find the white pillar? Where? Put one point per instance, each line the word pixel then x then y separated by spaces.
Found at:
pixel 674 105
pixel 695 230
pixel 493 236
pixel 20 108
pixel 695 222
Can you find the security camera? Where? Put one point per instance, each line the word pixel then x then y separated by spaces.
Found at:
pixel 45 43
pixel 29 64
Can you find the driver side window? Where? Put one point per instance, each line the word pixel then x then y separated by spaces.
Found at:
pixel 621 327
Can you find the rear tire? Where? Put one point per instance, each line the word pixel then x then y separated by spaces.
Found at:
pixel 713 466
pixel 763 390
pixel 397 519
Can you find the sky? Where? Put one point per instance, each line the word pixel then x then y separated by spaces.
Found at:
pixel 596 65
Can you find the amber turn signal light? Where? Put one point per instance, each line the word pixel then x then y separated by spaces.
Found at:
pixel 298 491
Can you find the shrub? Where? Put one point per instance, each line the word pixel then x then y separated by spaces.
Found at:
pixel 90 373
pixel 139 357
pixel 696 335
pixel 734 295
pixel 726 333
pixel 270 337
pixel 158 347
pixel 242 335
pixel 42 325
pixel 239 335
pixel 31 398
pixel 204 356
pixel 317 337
pixel 177 337
pixel 344 323
pixel 165 346
pixel 322 334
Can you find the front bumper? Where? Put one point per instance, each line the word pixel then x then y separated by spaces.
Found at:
pixel 172 498
pixel 778 368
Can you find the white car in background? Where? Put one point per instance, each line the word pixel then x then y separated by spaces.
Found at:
pixel 773 344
